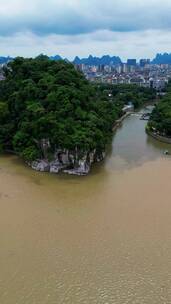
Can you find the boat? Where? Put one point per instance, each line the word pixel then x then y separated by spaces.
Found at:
pixel 145 116
pixel 166 152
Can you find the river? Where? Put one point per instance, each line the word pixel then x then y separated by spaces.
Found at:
pixel 100 239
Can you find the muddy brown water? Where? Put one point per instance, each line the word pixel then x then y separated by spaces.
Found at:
pixel 101 239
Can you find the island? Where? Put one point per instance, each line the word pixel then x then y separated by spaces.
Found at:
pixel 53 118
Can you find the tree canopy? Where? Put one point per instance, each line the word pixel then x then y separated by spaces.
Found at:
pixel 45 99
pixel 161 116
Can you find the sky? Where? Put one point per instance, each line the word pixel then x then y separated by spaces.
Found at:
pixel 125 28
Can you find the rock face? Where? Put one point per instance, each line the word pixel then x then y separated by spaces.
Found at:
pixel 82 169
pixel 40 165
pixel 70 162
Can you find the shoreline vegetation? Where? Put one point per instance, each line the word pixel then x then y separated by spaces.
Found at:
pixel 53 118
pixel 159 125
pixel 161 138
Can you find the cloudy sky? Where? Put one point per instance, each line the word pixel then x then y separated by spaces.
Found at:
pixel 128 28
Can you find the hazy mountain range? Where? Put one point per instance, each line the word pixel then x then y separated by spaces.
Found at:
pixel 104 60
pixel 164 58
pixel 5 59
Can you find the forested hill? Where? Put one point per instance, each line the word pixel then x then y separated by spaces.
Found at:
pixel 49 109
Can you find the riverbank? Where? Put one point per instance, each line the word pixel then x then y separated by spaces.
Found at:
pixel 119 121
pixel 64 161
pixel 164 139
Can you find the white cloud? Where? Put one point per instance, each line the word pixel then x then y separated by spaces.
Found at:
pixel 83 16
pixel 70 27
pixel 128 44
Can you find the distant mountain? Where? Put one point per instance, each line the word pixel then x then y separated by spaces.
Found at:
pixel 5 59
pixel 56 57
pixel 104 60
pixel 162 59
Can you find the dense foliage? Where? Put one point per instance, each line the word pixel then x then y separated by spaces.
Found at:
pixel 126 93
pixel 44 99
pixel 160 120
